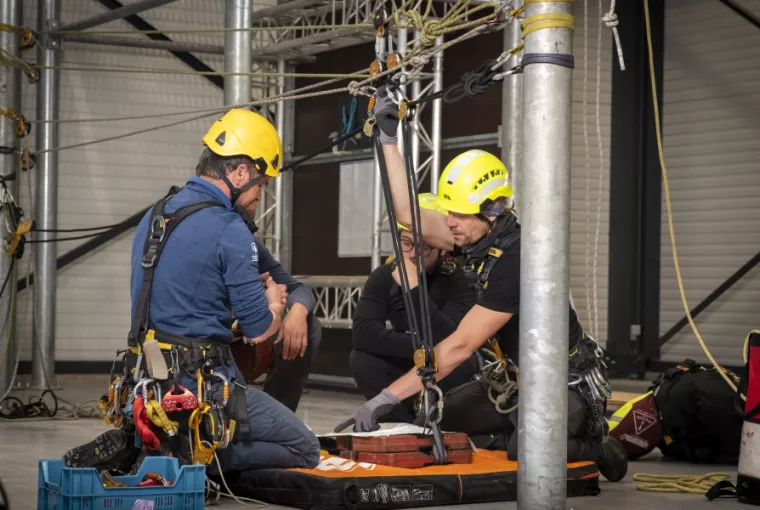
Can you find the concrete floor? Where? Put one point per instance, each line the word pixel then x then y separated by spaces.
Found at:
pixel 22 443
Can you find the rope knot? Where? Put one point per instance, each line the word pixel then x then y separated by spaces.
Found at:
pixel 354 89
pixel 432 30
pixel 610 19
pixel 419 61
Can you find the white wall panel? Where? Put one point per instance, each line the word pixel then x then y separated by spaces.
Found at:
pixel 105 183
pixel 585 195
pixel 711 128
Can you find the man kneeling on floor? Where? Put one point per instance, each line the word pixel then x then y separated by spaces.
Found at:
pixel 208 272
pixel 380 354
pixel 480 225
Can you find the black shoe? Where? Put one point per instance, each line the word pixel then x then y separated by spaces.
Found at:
pixel 613 461
pixel 108 448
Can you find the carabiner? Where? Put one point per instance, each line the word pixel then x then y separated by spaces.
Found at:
pixel 140 384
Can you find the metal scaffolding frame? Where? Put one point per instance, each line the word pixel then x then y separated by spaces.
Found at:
pixel 244 51
pixel 547 123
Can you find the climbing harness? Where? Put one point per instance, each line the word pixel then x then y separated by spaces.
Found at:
pixel 152 404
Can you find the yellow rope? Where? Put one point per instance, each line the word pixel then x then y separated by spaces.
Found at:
pixel 135 70
pixel 200 30
pixel 289 96
pixel 548 20
pixel 430 30
pixel 692 484
pixel 676 263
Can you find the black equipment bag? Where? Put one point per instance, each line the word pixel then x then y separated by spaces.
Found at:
pixel 700 422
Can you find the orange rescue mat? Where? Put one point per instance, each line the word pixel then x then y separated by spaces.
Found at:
pixel 482 476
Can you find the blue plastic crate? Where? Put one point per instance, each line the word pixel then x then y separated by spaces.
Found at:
pixel 64 488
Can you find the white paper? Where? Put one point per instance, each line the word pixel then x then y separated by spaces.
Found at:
pixel 143 504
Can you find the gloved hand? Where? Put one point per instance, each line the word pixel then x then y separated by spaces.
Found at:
pixel 365 418
pixel 386 116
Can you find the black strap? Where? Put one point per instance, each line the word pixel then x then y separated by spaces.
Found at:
pixel 502 244
pixel 722 489
pixel 161 227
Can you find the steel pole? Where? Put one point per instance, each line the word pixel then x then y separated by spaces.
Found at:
pixel 286 179
pixel 10 98
pixel 401 43
pixel 237 51
pixel 416 91
pixel 544 279
pixel 512 107
pixel 435 171
pixel 377 213
pixel 46 206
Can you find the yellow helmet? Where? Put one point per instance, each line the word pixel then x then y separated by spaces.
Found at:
pixel 471 180
pixel 427 201
pixel 242 132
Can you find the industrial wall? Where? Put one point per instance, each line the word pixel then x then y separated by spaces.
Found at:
pixel 105 183
pixel 711 129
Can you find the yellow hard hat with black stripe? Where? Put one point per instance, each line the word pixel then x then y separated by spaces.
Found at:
pixel 427 201
pixel 242 132
pixel 471 180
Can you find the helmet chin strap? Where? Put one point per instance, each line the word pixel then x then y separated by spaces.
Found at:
pixel 236 192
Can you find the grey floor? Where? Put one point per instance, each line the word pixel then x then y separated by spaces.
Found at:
pixel 23 443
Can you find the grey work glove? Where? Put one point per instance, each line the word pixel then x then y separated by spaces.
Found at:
pixel 365 418
pixel 386 116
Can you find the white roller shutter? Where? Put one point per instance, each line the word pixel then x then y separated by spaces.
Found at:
pixel 585 193
pixel 711 129
pixel 106 183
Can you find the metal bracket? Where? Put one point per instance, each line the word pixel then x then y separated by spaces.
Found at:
pixel 53 41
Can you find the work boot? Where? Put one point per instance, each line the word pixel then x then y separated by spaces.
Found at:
pixel 106 449
pixel 612 459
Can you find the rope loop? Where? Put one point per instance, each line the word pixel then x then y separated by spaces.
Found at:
pixel 354 88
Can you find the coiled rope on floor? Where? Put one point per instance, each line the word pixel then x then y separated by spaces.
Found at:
pixel 692 484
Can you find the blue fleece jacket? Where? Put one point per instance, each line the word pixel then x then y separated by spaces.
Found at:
pixel 208 273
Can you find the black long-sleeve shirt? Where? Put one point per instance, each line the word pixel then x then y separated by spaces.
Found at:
pixel 450 298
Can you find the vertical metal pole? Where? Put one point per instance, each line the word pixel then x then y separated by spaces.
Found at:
pixel 46 207
pixel 544 279
pixel 401 43
pixel 435 171
pixel 10 98
pixel 416 91
pixel 512 108
pixel 237 51
pixel 377 213
pixel 286 127
pixel 280 119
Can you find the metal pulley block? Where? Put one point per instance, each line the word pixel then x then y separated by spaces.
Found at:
pixel 391 60
pixel 32 74
pixel 28 38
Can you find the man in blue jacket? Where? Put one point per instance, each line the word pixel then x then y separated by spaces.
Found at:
pixel 195 269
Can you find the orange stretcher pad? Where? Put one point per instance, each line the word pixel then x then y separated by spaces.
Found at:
pixel 344 483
